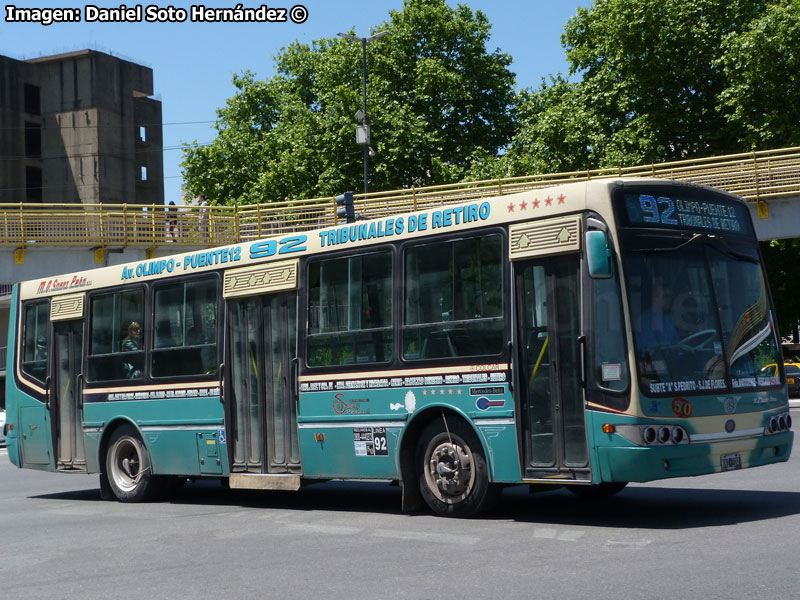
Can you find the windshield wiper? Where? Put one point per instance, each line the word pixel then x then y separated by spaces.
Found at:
pixel 725 248
pixel 691 240
pixel 719 244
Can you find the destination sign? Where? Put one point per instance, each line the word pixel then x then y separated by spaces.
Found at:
pixel 694 211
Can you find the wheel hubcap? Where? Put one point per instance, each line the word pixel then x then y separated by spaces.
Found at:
pixel 126 466
pixel 450 474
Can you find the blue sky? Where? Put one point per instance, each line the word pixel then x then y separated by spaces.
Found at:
pixel 193 62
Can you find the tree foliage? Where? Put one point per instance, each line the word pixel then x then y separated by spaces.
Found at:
pixel 781 258
pixel 658 80
pixel 436 95
pixel 761 65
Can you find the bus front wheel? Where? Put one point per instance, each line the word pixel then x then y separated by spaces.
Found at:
pixel 453 474
pixel 128 467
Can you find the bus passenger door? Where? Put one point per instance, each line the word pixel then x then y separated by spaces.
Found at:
pixel 261 415
pixel 35 431
pixel 66 393
pixel 551 395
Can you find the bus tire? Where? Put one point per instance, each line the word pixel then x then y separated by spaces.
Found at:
pixel 597 491
pixel 128 467
pixel 452 470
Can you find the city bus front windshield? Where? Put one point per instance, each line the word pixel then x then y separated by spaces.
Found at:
pixel 700 315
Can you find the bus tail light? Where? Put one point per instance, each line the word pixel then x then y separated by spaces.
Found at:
pixel 778 423
pixel 772 425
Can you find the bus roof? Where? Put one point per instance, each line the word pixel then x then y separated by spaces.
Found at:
pixel 569 198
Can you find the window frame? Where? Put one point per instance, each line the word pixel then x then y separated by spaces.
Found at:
pixel 304 305
pixel 146 324
pixel 150 349
pixel 24 335
pixel 596 392
pixel 505 296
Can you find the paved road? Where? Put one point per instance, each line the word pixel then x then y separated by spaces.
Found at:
pixel 724 536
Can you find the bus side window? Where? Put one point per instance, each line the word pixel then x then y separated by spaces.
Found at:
pixel 453 299
pixel 350 310
pixel 185 336
pixel 36 344
pixel 116 332
pixel 610 357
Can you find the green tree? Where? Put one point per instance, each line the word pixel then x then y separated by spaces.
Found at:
pixel 658 80
pixel 436 95
pixel 781 258
pixel 761 64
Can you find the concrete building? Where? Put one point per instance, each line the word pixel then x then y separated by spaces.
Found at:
pixel 75 128
pixel 79 127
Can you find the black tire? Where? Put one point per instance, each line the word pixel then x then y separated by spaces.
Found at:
pixel 452 470
pixel 599 491
pixel 128 467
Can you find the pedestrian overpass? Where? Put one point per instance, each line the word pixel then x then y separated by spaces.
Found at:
pixel 38 240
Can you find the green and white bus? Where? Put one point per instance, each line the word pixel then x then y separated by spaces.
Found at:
pixel 585 335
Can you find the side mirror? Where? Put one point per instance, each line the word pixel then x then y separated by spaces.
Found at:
pixel 598 255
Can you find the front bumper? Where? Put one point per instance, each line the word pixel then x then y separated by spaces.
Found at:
pixel 636 463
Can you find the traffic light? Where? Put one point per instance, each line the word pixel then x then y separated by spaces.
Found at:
pixel 346 209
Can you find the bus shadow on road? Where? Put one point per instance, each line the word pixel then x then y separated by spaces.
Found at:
pixel 647 507
pixel 335 496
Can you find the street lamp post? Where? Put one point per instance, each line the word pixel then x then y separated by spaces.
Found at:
pixel 363 133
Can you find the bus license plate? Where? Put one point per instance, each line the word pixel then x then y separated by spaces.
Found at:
pixel 731 462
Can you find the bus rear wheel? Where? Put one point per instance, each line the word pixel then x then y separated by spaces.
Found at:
pixel 452 470
pixel 128 467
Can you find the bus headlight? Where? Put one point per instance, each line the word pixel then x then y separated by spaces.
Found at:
pixel 677 435
pixel 649 434
pixel 663 434
pixel 653 435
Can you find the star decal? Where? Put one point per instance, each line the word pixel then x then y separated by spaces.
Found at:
pixel 536 203
pixel 511 207
pixel 523 206
pixel 561 199
pixel 548 201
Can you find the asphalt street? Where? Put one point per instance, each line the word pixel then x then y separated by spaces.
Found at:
pixel 730 535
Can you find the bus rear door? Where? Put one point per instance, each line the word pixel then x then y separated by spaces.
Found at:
pixel 259 385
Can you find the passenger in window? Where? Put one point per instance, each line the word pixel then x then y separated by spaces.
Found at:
pixel 40 352
pixel 132 343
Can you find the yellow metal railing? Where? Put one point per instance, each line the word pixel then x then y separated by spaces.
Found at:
pixel 756 176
